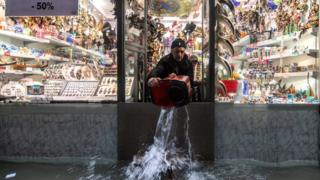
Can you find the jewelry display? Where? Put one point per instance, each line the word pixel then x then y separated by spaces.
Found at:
pixel 53 88
pixel 108 86
pixel 78 73
pixel 55 72
pixel 13 88
pixel 80 88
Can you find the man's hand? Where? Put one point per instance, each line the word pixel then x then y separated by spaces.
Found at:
pixel 154 81
pixel 172 75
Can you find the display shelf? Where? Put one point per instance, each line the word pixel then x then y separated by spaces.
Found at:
pixel 277 40
pixel 18 55
pixel 90 52
pixel 285 56
pixel 287 38
pixel 89 99
pixel 79 88
pixel 56 58
pixel 13 72
pixel 45 58
pixel 23 37
pixel 83 98
pixel 242 42
pixel 8 64
pixel 311 52
pixel 292 74
pixel 240 58
pixel 59 42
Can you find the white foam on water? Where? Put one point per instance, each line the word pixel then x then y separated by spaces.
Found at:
pixel 194 175
pixel 163 155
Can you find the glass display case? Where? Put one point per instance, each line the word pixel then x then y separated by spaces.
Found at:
pixel 275 60
pixel 61 58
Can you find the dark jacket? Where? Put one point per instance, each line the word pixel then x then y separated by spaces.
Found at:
pixel 168 65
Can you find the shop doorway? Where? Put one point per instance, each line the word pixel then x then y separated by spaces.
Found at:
pixel 150 28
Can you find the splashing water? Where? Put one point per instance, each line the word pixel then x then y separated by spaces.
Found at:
pixel 163 155
pixel 168 158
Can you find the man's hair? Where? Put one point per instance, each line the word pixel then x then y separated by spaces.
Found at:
pixel 178 43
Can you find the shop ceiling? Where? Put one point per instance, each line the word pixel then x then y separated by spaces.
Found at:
pixel 169 10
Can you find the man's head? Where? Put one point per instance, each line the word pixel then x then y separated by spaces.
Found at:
pixel 178 48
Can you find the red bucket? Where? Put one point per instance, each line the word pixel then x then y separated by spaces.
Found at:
pixel 231 86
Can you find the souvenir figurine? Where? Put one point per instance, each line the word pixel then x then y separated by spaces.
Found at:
pixel 18 27
pixel 11 24
pixel 303 7
pixel 254 20
pixel 39 30
pixel 314 15
pixel 20 65
pixel 52 28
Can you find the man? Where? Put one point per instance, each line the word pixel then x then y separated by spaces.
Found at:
pixel 173 64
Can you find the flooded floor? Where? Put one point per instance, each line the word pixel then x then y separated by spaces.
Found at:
pixel 204 171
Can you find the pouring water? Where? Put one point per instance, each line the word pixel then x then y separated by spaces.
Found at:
pixel 171 150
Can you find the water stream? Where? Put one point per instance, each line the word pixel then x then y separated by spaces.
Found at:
pixel 170 152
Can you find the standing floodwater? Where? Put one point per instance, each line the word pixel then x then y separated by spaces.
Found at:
pixel 170 151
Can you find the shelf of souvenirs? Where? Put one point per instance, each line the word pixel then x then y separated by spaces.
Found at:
pixel 23 37
pixel 58 42
pixel 42 58
pixel 293 74
pixel 49 40
pixel 284 55
pixel 28 72
pixel 245 41
pixel 242 42
pixel 265 101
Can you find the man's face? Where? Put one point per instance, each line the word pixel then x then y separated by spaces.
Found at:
pixel 178 53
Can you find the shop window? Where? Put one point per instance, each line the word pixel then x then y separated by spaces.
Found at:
pixel 150 30
pixel 274 54
pixel 59 59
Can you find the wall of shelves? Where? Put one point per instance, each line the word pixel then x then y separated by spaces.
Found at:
pixel 269 59
pixel 59 54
